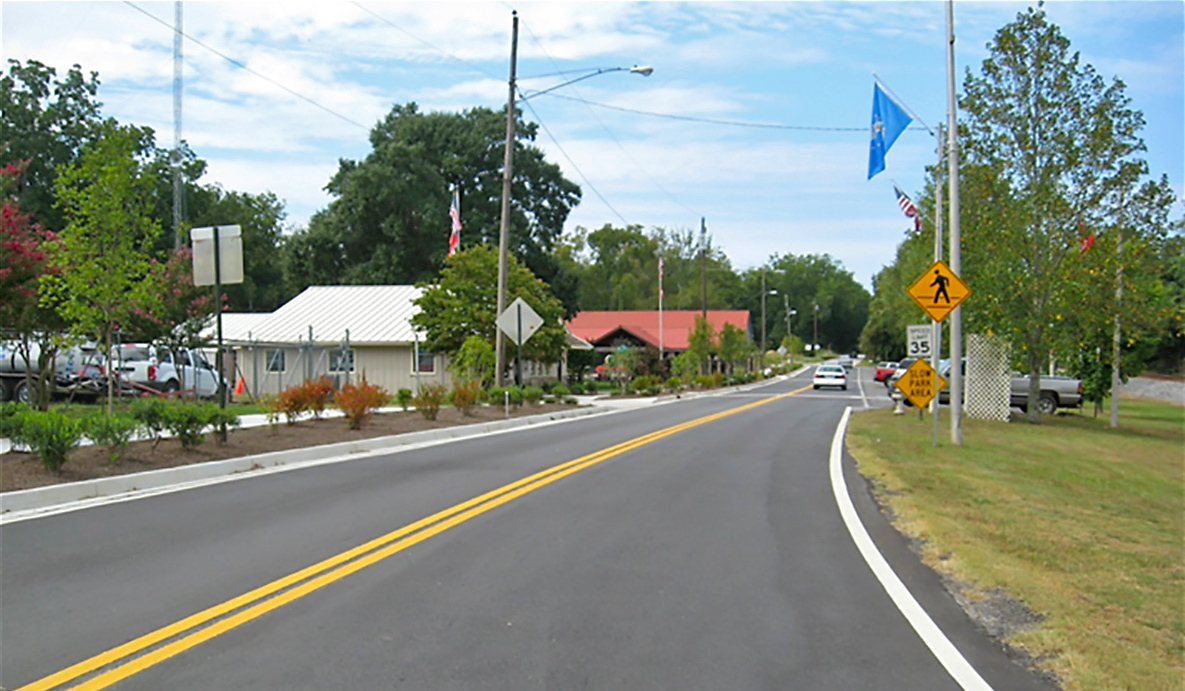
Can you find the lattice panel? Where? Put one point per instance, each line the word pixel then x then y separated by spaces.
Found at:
pixel 988 379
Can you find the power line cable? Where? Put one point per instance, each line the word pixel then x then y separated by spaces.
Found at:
pixel 578 171
pixel 710 121
pixel 242 66
pixel 605 127
pixel 434 47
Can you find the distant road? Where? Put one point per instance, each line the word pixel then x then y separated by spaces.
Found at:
pixel 694 545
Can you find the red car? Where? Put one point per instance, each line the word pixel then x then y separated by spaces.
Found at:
pixel 884 370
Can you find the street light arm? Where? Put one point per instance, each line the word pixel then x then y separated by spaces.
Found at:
pixel 644 71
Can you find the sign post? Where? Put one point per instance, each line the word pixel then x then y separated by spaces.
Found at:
pixel 519 321
pixel 218 259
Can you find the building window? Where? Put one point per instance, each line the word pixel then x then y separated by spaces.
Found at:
pixel 275 360
pixel 341 361
pixel 426 363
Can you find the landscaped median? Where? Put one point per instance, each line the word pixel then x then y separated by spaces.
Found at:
pixel 1083 524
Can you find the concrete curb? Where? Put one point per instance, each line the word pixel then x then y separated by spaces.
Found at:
pixel 54 495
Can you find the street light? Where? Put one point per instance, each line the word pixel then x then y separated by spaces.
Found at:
pixel 789 313
pixel 507 175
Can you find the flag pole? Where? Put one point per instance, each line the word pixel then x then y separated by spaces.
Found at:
pixel 956 322
pixel 661 363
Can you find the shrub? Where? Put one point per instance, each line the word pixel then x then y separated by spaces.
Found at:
pixel 532 394
pixel 359 401
pixel 290 402
pixel 10 418
pixel 150 412
pixel 500 395
pixel 703 381
pixel 646 385
pixel 674 384
pixel 188 421
pixel 466 395
pixel 311 395
pixel 561 391
pixel 52 434
pixel 113 431
pixel 404 398
pixel 429 400
pixel 317 394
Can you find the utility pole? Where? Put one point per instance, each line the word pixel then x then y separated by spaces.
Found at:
pixel 703 265
pixel 178 197
pixel 504 228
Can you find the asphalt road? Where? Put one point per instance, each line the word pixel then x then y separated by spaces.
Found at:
pixel 706 553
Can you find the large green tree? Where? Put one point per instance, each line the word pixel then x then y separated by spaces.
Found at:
pixel 1053 147
pixel 463 303
pixel 801 283
pixel 389 222
pixel 45 121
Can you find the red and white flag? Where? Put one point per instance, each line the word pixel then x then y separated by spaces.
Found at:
pixel 454 212
pixel 908 208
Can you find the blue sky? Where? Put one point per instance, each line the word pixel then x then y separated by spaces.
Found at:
pixel 755 118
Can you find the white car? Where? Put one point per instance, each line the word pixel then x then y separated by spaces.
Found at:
pixel 830 375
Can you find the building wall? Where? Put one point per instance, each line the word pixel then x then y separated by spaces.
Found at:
pixel 387 366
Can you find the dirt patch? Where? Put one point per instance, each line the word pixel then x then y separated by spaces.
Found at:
pixel 25 471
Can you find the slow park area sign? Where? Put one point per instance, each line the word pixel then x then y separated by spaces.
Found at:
pixel 920 384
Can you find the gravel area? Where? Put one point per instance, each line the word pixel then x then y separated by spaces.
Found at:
pixel 1159 388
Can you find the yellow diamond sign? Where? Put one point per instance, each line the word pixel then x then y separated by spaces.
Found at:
pixel 938 291
pixel 920 383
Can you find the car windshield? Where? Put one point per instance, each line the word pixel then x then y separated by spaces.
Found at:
pixel 832 369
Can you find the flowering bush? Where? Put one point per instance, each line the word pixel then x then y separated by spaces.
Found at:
pixel 359 401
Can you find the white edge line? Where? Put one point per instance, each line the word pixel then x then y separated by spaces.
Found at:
pixel 22 515
pixel 945 651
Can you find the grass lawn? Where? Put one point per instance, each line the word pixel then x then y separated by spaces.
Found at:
pixel 1082 523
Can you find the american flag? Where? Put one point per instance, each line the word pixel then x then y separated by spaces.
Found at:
pixel 908 208
pixel 454 212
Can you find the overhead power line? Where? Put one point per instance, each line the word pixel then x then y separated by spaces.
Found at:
pixel 710 121
pixel 242 66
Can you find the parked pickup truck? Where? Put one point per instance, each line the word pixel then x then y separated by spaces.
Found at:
pixel 1057 391
pixel 156 367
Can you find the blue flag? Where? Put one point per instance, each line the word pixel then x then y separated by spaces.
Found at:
pixel 889 120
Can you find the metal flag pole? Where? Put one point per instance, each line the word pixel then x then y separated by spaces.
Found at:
pixel 956 322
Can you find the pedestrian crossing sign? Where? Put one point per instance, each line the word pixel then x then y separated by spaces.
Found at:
pixel 938 291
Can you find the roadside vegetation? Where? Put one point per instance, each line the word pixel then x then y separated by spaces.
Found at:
pixel 1082 523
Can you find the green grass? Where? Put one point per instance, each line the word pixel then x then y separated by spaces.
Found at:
pixel 1082 523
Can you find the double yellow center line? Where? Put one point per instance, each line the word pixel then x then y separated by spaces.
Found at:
pixel 145 651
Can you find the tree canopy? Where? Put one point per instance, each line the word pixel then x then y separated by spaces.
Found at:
pixel 464 304
pixel 389 222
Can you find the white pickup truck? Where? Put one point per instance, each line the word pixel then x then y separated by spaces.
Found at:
pixel 156 367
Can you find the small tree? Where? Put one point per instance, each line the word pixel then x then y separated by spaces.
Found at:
pixel 102 254
pixel 701 343
pixel 734 346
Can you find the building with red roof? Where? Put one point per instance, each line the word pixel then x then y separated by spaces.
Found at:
pixel 606 331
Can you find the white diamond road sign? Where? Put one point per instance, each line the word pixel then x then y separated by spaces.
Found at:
pixel 519 313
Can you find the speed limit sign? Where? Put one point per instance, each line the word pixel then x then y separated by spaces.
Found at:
pixel 918 341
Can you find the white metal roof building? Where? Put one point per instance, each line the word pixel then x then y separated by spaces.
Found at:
pixel 373 316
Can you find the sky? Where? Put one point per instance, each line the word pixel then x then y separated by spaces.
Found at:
pixel 754 122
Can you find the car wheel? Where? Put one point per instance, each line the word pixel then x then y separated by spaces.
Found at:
pixel 20 392
pixel 844 387
pixel 171 387
pixel 1047 404
pixel 815 387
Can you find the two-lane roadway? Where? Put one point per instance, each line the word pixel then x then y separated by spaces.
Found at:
pixel 691 545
